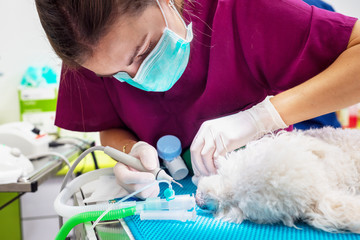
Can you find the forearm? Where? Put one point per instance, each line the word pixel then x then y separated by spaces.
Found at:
pixel 118 138
pixel 333 89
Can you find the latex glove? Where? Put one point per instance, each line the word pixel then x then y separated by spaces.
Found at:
pixel 218 136
pixel 131 179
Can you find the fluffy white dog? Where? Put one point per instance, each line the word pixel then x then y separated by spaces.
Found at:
pixel 313 176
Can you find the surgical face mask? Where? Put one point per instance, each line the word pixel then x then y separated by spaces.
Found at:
pixel 161 69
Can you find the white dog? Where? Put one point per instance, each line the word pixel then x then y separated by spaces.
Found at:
pixel 313 176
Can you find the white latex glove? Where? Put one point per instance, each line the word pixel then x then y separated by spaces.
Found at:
pixel 218 136
pixel 131 179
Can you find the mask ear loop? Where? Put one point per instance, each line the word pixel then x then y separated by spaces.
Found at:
pixel 171 3
pixel 162 12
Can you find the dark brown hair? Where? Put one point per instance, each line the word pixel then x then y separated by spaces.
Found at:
pixel 74 27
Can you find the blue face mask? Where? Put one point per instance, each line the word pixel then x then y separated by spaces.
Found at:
pixel 161 69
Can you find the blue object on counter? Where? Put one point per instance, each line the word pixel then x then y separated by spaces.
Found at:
pixel 38 77
pixel 168 147
pixel 320 4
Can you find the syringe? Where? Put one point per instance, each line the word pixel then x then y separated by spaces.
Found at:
pixel 181 208
pixel 135 163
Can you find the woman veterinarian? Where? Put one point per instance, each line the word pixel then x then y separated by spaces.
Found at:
pixel 216 74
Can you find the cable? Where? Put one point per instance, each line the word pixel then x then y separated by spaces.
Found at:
pixel 62 141
pixel 63 158
pixel 67 140
pixel 12 200
pixel 82 155
pixel 54 144
pixel 74 138
pixel 71 170
pixel 41 155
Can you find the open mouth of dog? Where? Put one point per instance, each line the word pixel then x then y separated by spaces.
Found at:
pixel 311 176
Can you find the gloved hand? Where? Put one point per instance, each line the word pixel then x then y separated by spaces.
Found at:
pixel 218 136
pixel 131 179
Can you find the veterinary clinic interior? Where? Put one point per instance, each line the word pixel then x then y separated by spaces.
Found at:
pixel 179 119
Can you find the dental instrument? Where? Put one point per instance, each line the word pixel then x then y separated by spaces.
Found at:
pixel 131 161
pixel 119 156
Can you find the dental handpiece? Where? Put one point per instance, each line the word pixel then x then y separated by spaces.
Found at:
pixel 135 163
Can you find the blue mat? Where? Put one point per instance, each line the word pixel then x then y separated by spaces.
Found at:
pixel 206 227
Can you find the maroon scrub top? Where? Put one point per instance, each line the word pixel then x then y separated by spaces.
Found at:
pixel 242 51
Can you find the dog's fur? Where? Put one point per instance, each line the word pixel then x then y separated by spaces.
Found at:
pixel 312 175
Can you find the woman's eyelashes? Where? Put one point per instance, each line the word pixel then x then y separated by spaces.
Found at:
pixel 147 51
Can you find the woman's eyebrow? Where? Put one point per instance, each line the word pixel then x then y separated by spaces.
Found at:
pixel 131 59
pixel 137 49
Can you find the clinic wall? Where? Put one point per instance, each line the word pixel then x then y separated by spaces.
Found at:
pixel 347 7
pixel 23 43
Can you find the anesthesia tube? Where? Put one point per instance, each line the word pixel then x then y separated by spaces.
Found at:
pixel 92 216
pixel 74 186
pixel 180 213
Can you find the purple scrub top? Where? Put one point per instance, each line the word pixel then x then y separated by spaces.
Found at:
pixel 242 51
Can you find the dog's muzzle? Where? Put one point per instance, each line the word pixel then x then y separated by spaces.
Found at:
pixel 204 202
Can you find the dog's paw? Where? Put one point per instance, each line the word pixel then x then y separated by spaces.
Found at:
pixel 230 214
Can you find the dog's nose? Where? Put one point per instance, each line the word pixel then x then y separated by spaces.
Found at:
pixel 204 203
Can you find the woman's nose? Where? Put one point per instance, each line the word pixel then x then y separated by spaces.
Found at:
pixel 131 72
pixel 132 69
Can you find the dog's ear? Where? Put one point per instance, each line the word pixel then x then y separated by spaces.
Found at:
pixel 215 184
pixel 319 153
pixel 323 150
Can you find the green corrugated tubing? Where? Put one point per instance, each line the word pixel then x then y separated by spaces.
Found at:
pixel 92 216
